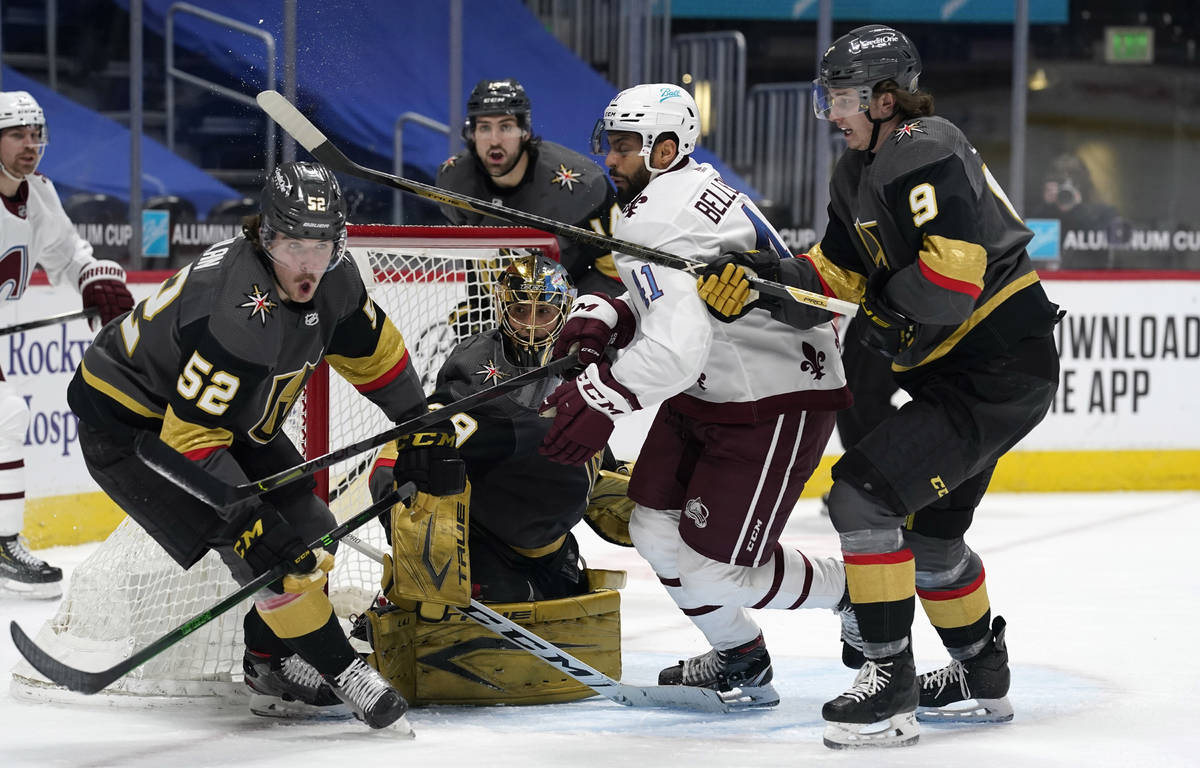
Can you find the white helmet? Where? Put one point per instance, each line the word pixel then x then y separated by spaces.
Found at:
pixel 18 108
pixel 651 109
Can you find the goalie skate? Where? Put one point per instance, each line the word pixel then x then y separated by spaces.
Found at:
pixel 877 710
pixel 742 675
pixel 971 691
pixel 291 688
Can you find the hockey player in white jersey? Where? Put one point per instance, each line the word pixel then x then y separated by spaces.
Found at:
pixel 746 408
pixel 34 229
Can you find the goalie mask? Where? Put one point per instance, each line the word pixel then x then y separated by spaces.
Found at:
pixel 304 201
pixel 18 109
pixel 860 60
pixel 533 295
pixel 650 111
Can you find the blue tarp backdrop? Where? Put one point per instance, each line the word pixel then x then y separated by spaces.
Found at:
pixel 89 152
pixel 359 66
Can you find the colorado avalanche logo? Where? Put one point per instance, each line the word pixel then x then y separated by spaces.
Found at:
pixel 14 272
pixel 696 510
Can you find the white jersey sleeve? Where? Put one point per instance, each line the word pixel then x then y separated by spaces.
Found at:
pixel 55 244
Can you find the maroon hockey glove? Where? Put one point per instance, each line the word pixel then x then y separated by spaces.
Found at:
pixel 597 322
pixel 431 461
pixel 102 285
pixel 583 412
pixel 885 330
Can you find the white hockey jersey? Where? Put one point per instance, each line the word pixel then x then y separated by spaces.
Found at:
pixel 34 228
pixel 740 372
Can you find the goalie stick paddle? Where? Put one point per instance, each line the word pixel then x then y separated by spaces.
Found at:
pixel 94 682
pixel 302 130
pixel 180 470
pixel 673 696
pixel 51 320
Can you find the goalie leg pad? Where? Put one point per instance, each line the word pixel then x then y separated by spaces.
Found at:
pixel 457 661
pixel 429 560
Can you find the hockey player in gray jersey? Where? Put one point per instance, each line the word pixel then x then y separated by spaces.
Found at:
pixel 212 363
pixel 506 163
pixel 922 236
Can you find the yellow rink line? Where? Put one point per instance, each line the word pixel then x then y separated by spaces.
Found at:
pixel 79 518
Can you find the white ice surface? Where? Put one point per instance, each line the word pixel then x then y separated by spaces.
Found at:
pixel 1101 592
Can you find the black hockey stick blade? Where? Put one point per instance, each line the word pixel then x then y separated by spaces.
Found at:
pixel 213 491
pixel 93 682
pixel 320 147
pixel 51 320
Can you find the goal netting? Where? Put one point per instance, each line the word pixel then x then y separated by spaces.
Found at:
pixel 435 284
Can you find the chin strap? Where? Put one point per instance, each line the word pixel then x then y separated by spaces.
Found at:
pixel 877 125
pixel 9 173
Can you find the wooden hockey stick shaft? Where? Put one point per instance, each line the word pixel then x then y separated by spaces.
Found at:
pixel 320 147
pixel 51 320
pixel 674 696
pixel 180 470
pixel 94 682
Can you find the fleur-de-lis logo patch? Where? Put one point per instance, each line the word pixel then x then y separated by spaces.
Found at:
pixel 814 360
pixel 259 304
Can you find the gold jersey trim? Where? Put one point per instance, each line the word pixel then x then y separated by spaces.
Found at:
pixel 124 400
pixel 184 436
pixel 364 370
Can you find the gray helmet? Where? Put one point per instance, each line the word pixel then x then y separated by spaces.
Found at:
pixel 863 58
pixel 304 200
pixel 498 97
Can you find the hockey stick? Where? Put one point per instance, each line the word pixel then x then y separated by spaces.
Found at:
pixel 302 130
pixel 93 682
pixel 674 696
pixel 180 470
pixel 51 320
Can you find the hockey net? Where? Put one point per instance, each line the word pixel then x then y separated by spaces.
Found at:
pixel 435 285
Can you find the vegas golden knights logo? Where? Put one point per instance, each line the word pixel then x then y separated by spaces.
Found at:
pixel 868 232
pixel 286 389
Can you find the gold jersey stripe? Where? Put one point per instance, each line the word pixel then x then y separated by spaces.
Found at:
pixel 958 612
pixel 882 582
pixel 977 317
pixel 184 436
pixel 957 260
pixel 389 351
pixel 846 284
pixel 127 402
pixel 553 546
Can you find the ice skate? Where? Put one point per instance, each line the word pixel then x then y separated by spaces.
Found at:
pixel 877 711
pixel 289 687
pixel 23 574
pixel 741 674
pixel 974 691
pixel 372 699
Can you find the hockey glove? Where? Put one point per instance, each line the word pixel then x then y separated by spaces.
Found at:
pixel 725 289
pixel 583 410
pixel 431 461
pixel 102 285
pixel 886 330
pixel 596 322
pixel 264 539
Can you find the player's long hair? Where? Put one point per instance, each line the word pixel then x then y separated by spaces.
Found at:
pixel 908 105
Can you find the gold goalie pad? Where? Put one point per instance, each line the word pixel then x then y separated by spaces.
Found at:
pixel 429 561
pixel 456 661
pixel 609 506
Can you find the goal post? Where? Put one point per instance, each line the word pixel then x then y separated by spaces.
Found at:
pixel 435 285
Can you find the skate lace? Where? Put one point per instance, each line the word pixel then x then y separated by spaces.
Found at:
pixel 871 679
pixel 16 550
pixel 948 675
pixel 361 684
pixel 301 672
pixel 701 669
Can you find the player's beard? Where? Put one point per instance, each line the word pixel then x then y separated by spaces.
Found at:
pixel 629 187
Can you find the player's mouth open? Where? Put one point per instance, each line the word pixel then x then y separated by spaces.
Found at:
pixel 496 155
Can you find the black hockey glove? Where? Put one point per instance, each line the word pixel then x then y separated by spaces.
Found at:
pixel 264 540
pixel 431 461
pixel 726 291
pixel 885 330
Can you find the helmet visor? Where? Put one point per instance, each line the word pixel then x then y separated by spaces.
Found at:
pixel 836 103
pixel 302 254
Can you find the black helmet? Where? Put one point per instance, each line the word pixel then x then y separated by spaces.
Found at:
pixel 304 200
pixel 498 97
pixel 863 58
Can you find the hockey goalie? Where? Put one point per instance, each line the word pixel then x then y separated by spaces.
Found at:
pixel 506 540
